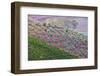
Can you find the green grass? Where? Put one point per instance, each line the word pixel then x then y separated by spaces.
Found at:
pixel 40 50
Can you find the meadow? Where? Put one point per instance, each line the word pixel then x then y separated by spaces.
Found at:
pixel 40 50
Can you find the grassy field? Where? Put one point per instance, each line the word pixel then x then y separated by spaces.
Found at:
pixel 40 50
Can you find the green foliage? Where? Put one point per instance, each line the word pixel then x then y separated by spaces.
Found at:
pixel 40 50
pixel 66 30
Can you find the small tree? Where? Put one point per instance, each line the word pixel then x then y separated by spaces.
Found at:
pixel 44 24
pixel 74 23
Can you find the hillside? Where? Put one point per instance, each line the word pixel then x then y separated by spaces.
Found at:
pixel 68 39
pixel 40 50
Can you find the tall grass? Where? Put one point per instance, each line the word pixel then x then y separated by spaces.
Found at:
pixel 40 50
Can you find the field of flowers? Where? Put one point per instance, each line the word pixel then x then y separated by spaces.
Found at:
pixel 67 40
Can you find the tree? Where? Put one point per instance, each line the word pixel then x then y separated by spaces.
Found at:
pixel 74 23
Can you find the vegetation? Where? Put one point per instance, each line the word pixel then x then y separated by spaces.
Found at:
pixel 40 50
